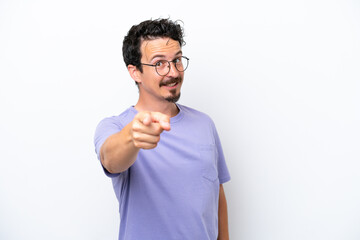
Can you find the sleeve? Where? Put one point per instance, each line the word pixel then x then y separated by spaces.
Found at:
pixel 223 172
pixel 105 129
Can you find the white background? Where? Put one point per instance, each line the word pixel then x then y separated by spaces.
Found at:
pixel 279 78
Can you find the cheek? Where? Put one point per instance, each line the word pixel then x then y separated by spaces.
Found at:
pixel 151 79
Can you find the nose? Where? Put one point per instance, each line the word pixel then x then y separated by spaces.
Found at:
pixel 173 71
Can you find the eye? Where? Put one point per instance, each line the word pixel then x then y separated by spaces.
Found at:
pixel 160 64
pixel 177 60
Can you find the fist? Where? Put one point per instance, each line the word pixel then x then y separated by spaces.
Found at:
pixel 146 129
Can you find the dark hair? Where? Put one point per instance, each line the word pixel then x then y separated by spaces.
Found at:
pixel 147 30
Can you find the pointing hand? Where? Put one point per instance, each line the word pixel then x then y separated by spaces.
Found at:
pixel 147 127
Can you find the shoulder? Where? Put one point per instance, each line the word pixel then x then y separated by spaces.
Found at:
pixel 118 121
pixel 195 115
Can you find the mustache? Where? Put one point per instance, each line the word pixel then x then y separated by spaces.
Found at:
pixel 170 81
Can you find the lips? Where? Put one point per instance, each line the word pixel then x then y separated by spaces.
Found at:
pixel 170 83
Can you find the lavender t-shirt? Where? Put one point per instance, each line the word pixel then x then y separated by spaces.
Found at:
pixel 172 191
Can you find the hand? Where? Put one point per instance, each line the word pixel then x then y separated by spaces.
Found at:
pixel 146 129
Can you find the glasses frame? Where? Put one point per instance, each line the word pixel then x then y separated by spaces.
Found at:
pixel 169 64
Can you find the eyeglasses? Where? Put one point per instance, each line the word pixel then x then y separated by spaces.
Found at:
pixel 162 67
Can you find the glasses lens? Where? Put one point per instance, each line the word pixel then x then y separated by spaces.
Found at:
pixel 181 64
pixel 162 67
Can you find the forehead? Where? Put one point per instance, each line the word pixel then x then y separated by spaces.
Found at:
pixel 159 47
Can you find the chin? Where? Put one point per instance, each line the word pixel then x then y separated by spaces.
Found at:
pixel 173 99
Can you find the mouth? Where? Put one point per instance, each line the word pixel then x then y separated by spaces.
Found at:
pixel 170 84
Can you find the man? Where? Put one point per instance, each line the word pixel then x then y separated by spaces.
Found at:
pixel 165 159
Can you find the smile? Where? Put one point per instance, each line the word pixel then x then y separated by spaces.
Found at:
pixel 171 85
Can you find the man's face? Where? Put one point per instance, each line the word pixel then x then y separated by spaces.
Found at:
pixel 152 85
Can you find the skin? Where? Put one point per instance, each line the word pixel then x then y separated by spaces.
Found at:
pixel 120 150
pixel 223 216
pixel 152 88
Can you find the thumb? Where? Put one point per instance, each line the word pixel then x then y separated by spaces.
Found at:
pixel 147 119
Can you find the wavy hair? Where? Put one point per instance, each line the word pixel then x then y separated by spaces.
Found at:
pixel 147 30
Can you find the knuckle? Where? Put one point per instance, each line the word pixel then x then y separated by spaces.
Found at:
pixel 136 144
pixel 136 136
pixel 135 126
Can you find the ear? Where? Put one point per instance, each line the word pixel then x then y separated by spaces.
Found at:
pixel 134 73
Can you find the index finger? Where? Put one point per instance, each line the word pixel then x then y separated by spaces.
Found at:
pixel 162 119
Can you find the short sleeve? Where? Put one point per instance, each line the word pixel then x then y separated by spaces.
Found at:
pixel 223 172
pixel 105 129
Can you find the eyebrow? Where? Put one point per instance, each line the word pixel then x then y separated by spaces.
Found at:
pixel 163 56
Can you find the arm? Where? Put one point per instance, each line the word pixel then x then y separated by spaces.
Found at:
pixel 120 150
pixel 223 216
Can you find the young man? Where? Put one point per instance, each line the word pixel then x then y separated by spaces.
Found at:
pixel 165 159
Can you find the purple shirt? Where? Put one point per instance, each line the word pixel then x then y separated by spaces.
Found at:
pixel 171 191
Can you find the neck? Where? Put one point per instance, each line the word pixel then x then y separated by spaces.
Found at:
pixel 165 107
